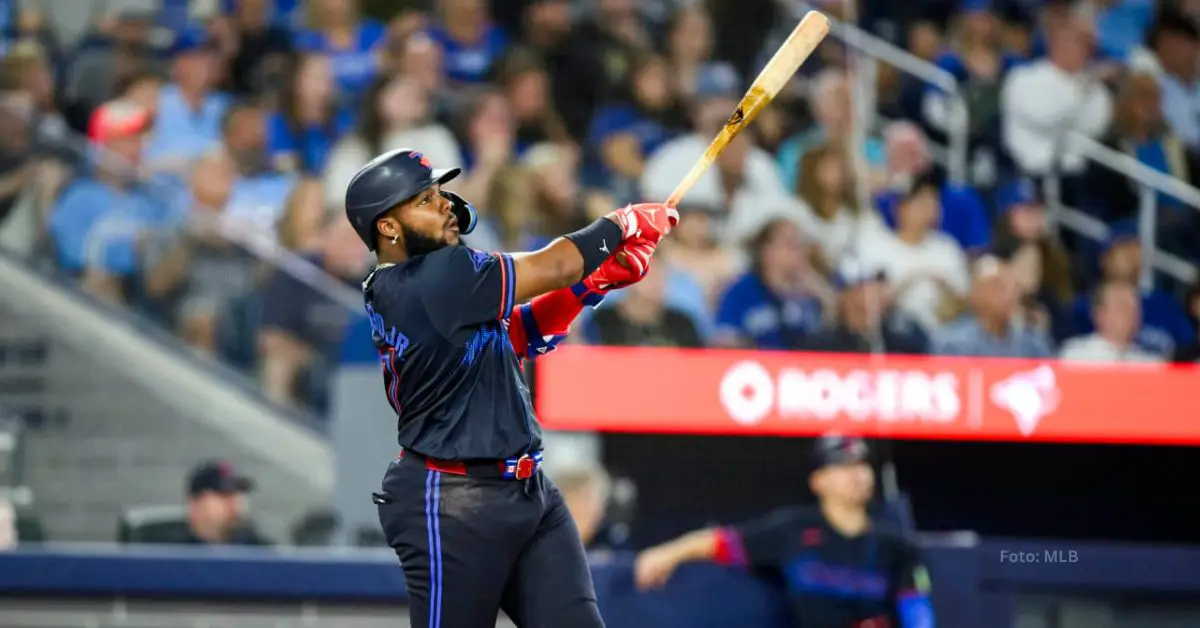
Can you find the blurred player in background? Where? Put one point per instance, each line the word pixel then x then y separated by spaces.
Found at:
pixel 841 569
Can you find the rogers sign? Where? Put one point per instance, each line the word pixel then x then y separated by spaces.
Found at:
pixel 750 393
pixel 778 393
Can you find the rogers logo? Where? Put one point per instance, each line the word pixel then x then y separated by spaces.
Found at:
pixel 749 393
pixel 1029 397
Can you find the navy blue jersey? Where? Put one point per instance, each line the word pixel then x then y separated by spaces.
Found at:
pixel 833 581
pixel 440 322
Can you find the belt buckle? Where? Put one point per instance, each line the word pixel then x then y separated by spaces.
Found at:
pixel 525 467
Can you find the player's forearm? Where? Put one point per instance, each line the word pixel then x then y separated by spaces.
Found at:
pixel 564 261
pixel 537 327
pixel 697 546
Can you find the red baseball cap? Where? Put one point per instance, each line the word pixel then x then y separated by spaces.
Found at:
pixel 118 119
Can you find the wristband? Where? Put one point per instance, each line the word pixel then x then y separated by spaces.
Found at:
pixel 596 242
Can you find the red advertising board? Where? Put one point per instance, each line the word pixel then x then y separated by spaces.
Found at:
pixel 804 394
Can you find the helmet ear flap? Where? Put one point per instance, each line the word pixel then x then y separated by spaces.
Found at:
pixel 464 212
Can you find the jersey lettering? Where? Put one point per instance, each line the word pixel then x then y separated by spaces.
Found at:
pixel 384 335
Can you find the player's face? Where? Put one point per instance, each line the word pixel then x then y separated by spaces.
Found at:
pixel 425 223
pixel 222 510
pixel 852 483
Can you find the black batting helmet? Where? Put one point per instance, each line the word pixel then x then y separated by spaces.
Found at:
pixel 391 179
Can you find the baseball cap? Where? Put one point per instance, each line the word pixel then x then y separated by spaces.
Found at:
pixel 717 80
pixel 838 449
pixel 1020 192
pixel 854 271
pixel 1120 232
pixel 190 40
pixel 217 476
pixel 118 119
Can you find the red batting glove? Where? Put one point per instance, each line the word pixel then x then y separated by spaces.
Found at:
pixel 647 221
pixel 613 275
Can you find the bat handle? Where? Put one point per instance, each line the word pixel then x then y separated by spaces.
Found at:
pixel 692 176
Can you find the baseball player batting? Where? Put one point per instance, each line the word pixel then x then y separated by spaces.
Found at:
pixel 476 525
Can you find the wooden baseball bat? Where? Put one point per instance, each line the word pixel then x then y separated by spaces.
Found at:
pixel 783 64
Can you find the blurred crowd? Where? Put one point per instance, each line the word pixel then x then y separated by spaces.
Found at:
pixel 157 164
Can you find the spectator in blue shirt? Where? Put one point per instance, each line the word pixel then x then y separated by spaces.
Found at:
pixel 352 42
pixel 470 42
pixel 188 123
pixel 1165 324
pixel 964 216
pixel 829 100
pixel 308 124
pixel 1174 44
pixel 771 306
pixel 100 219
pixel 979 64
pixel 988 329
pixel 259 192
pixel 1121 25
pixel 623 136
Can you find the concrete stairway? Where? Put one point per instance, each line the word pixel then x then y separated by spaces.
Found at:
pixel 115 420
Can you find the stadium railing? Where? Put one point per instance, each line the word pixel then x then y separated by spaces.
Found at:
pixel 976 583
pixel 871 51
pixel 1150 183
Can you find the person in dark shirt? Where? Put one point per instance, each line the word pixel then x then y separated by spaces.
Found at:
pixel 866 321
pixel 476 526
pixel 255 49
pixel 215 511
pixel 841 569
pixel 1190 352
pixel 642 319
pixel 217 506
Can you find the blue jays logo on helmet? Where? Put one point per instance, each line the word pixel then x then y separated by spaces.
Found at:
pixel 387 181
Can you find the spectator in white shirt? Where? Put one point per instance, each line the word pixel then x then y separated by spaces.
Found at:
pixel 396 114
pixel 835 219
pixel 924 266
pixel 1117 314
pixel 743 180
pixel 1046 99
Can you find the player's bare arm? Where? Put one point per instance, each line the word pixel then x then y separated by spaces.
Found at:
pixel 655 565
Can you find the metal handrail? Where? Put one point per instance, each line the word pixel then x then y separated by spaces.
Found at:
pixel 1134 169
pixel 907 62
pixel 1150 183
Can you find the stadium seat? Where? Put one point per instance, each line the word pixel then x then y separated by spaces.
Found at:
pixel 153 524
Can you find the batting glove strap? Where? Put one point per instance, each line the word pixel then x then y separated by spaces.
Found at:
pixel 588 295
